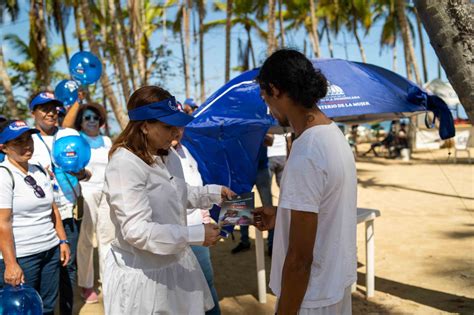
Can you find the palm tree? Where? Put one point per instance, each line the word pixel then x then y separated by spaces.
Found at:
pixel 385 9
pixel 7 86
pixel 126 44
pixel 297 13
pixel 104 79
pixel 60 11
pixel 181 26
pixel 281 20
pixel 449 27
pixel 124 79
pixel 410 59
pixel 201 13
pixel 314 29
pixel 25 74
pixel 136 18
pixel 271 42
pixel 228 26
pixel 77 22
pixel 422 44
pixel 38 38
pixel 243 14
pixel 12 9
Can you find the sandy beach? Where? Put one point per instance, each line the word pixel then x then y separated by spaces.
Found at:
pixel 424 252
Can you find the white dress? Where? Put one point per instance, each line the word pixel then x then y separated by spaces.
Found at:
pixel 151 269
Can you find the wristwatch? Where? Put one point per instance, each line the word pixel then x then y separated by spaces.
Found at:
pixel 63 242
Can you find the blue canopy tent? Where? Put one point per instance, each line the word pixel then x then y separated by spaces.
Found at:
pixel 226 135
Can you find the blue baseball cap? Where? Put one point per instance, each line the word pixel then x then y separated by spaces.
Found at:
pixel 191 102
pixel 166 111
pixel 15 129
pixel 43 98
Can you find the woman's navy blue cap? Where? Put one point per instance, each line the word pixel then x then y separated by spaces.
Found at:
pixel 15 129
pixel 166 111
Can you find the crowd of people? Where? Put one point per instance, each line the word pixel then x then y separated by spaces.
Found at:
pixel 143 198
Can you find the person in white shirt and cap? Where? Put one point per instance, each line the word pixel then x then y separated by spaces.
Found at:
pixel 314 248
pixel 151 268
pixel 66 189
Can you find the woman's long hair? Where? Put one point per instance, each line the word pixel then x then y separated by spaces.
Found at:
pixel 132 138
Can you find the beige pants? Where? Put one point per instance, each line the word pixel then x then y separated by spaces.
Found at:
pixel 343 307
pixel 96 220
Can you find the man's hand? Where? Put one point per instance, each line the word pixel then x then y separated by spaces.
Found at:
pixel 13 274
pixel 65 254
pixel 227 193
pixel 264 218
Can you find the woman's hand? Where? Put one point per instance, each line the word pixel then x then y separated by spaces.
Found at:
pixel 65 254
pixel 14 274
pixel 227 194
pixel 211 234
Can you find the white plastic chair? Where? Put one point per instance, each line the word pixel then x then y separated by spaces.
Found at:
pixel 461 141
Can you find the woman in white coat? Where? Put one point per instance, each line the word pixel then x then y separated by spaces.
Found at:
pixel 151 268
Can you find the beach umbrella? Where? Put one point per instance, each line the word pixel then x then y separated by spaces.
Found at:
pixel 230 125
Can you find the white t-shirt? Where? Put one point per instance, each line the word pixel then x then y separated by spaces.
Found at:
pixel 278 148
pixel 33 229
pixel 98 163
pixel 42 156
pixel 193 178
pixel 320 177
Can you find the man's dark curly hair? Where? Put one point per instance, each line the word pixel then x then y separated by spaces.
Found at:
pixel 290 71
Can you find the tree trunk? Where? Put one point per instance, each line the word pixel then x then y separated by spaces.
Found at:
pixel 228 27
pixel 201 49
pixel 126 44
pixel 187 47
pixel 281 20
pixel 77 23
pixel 136 23
pixel 359 43
pixel 103 25
pixel 314 29
pixel 249 38
pixel 328 35
pixel 410 58
pixel 122 119
pixel 449 27
pixel 59 20
pixel 7 87
pixel 394 53
pixel 119 57
pixel 422 46
pixel 271 45
pixel 40 44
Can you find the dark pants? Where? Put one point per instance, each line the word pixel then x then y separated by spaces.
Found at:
pixel 68 275
pixel 41 272
pixel 204 258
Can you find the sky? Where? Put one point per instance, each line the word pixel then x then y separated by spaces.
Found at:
pixel 345 47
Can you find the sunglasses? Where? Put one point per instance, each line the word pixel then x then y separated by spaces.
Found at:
pixel 39 192
pixel 92 118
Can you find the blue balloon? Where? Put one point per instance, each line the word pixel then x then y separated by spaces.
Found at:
pixel 71 153
pixel 20 300
pixel 85 67
pixel 67 91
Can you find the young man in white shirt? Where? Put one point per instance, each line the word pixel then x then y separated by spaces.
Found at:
pixel 314 253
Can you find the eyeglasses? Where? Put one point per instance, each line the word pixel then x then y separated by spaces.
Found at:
pixel 39 192
pixel 92 118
